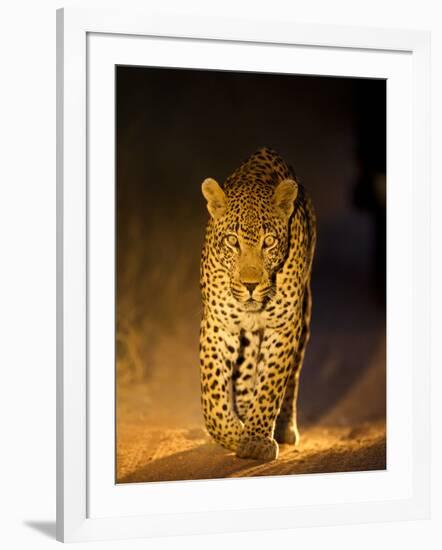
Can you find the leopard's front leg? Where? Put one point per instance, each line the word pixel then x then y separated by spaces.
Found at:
pixel 275 363
pixel 217 355
pixel 244 371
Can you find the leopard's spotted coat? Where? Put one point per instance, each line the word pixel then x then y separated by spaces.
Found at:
pixel 255 282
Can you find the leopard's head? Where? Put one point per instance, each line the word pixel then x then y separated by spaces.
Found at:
pixel 251 236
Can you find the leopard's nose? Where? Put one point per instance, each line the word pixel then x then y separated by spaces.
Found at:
pixel 251 287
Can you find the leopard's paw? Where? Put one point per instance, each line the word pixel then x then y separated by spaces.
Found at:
pixel 259 448
pixel 287 434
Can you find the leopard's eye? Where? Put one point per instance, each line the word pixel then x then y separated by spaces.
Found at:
pixel 269 241
pixel 232 240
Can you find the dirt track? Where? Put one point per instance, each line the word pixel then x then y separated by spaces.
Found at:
pixel 165 455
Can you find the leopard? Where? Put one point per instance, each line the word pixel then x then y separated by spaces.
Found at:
pixel 255 281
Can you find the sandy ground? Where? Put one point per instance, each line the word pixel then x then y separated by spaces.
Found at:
pixel 147 454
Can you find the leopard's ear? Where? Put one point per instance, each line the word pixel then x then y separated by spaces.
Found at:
pixel 215 197
pixel 284 197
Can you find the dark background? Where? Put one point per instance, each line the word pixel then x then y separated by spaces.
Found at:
pixel 177 127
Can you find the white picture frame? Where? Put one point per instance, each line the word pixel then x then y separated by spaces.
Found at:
pixel 89 505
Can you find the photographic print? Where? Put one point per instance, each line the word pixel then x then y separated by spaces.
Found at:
pixel 250 274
